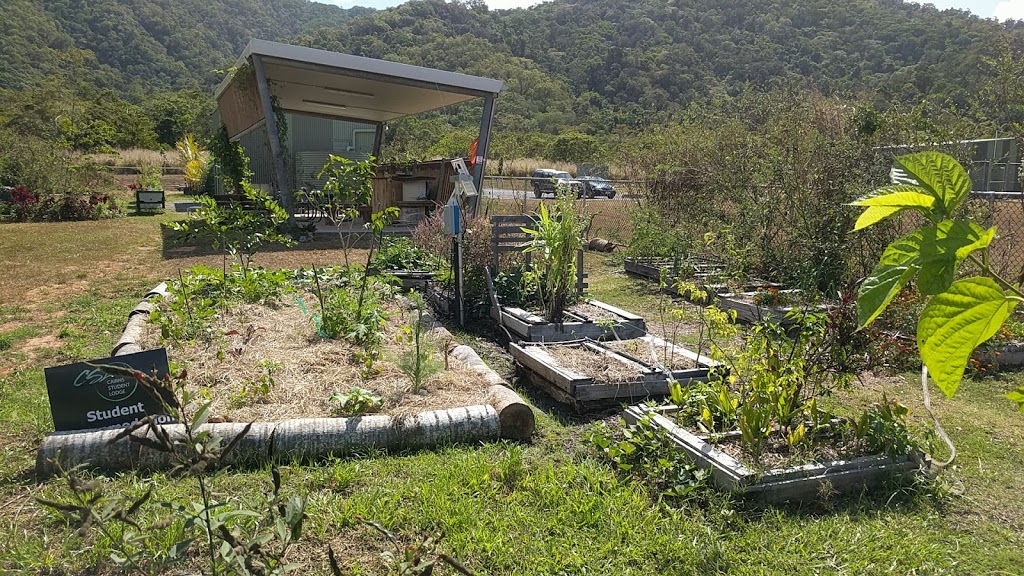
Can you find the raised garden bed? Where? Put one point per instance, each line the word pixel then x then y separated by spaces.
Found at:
pixel 305 370
pixel 804 482
pixel 413 279
pixel 653 267
pixel 588 374
pixel 750 309
pixel 588 319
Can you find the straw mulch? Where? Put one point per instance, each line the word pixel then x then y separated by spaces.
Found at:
pixel 312 368
pixel 602 368
pixel 641 350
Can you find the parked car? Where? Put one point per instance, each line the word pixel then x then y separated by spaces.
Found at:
pixel 594 186
pixel 547 181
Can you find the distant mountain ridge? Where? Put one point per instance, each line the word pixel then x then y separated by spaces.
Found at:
pixel 591 65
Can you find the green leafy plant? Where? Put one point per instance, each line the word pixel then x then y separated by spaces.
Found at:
pixel 399 253
pixel 190 310
pixel 238 230
pixel 883 428
pixel 231 158
pixel 348 187
pixel 961 311
pixel 149 177
pixel 258 390
pixel 419 363
pixel 356 316
pixel 645 450
pixel 556 239
pixel 356 401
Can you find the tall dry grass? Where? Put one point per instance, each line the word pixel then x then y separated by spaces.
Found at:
pixel 138 157
pixel 526 166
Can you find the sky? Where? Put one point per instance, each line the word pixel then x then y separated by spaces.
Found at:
pixel 1001 9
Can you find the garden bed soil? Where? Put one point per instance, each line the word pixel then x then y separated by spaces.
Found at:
pixel 312 368
pixel 588 319
pixel 787 483
pixel 592 375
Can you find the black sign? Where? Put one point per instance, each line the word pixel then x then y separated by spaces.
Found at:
pixel 83 396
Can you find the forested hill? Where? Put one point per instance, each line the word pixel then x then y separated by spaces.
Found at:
pixel 155 44
pixel 592 65
pixel 628 63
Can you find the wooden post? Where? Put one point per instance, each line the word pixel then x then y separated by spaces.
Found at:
pixel 579 272
pixel 274 136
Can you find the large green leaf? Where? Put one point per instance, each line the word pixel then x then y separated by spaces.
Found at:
pixel 890 200
pixel 874 215
pixel 955 322
pixel 897 266
pixel 943 247
pixel 899 195
pixel 933 251
pixel 941 176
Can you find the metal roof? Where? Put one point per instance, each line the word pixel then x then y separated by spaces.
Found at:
pixel 347 86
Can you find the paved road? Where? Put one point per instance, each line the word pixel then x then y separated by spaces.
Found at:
pixel 509 194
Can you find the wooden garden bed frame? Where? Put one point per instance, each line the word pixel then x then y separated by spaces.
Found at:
pixel 530 327
pixel 796 484
pixel 583 393
pixel 750 312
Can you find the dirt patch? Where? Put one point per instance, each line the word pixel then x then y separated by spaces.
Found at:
pixel 11 326
pixel 39 343
pixel 603 368
pixel 276 349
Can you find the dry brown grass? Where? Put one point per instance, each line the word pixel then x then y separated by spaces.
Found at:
pixel 138 157
pixel 311 369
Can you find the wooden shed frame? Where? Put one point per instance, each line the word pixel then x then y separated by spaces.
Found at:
pixel 344 87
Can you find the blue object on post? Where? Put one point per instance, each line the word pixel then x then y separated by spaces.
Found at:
pixel 452 220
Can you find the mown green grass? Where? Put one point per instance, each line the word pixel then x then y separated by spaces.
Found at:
pixel 554 506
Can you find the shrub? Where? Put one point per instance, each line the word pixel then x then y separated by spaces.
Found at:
pixel 477 255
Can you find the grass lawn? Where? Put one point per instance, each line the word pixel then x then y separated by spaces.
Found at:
pixel 553 506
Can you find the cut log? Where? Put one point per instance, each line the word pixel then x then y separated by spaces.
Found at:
pixel 302 439
pixel 128 343
pixel 315 438
pixel 516 417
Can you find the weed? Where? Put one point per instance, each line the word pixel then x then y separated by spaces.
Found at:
pixel 257 391
pixel 356 401
pixel 236 540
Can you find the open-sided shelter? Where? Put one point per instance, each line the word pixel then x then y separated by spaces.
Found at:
pixel 291 106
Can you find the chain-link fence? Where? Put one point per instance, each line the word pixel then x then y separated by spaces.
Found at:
pixel 1005 211
pixel 608 218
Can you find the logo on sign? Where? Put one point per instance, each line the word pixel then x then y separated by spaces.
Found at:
pixel 110 387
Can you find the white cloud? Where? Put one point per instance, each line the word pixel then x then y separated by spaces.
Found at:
pixel 1008 9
